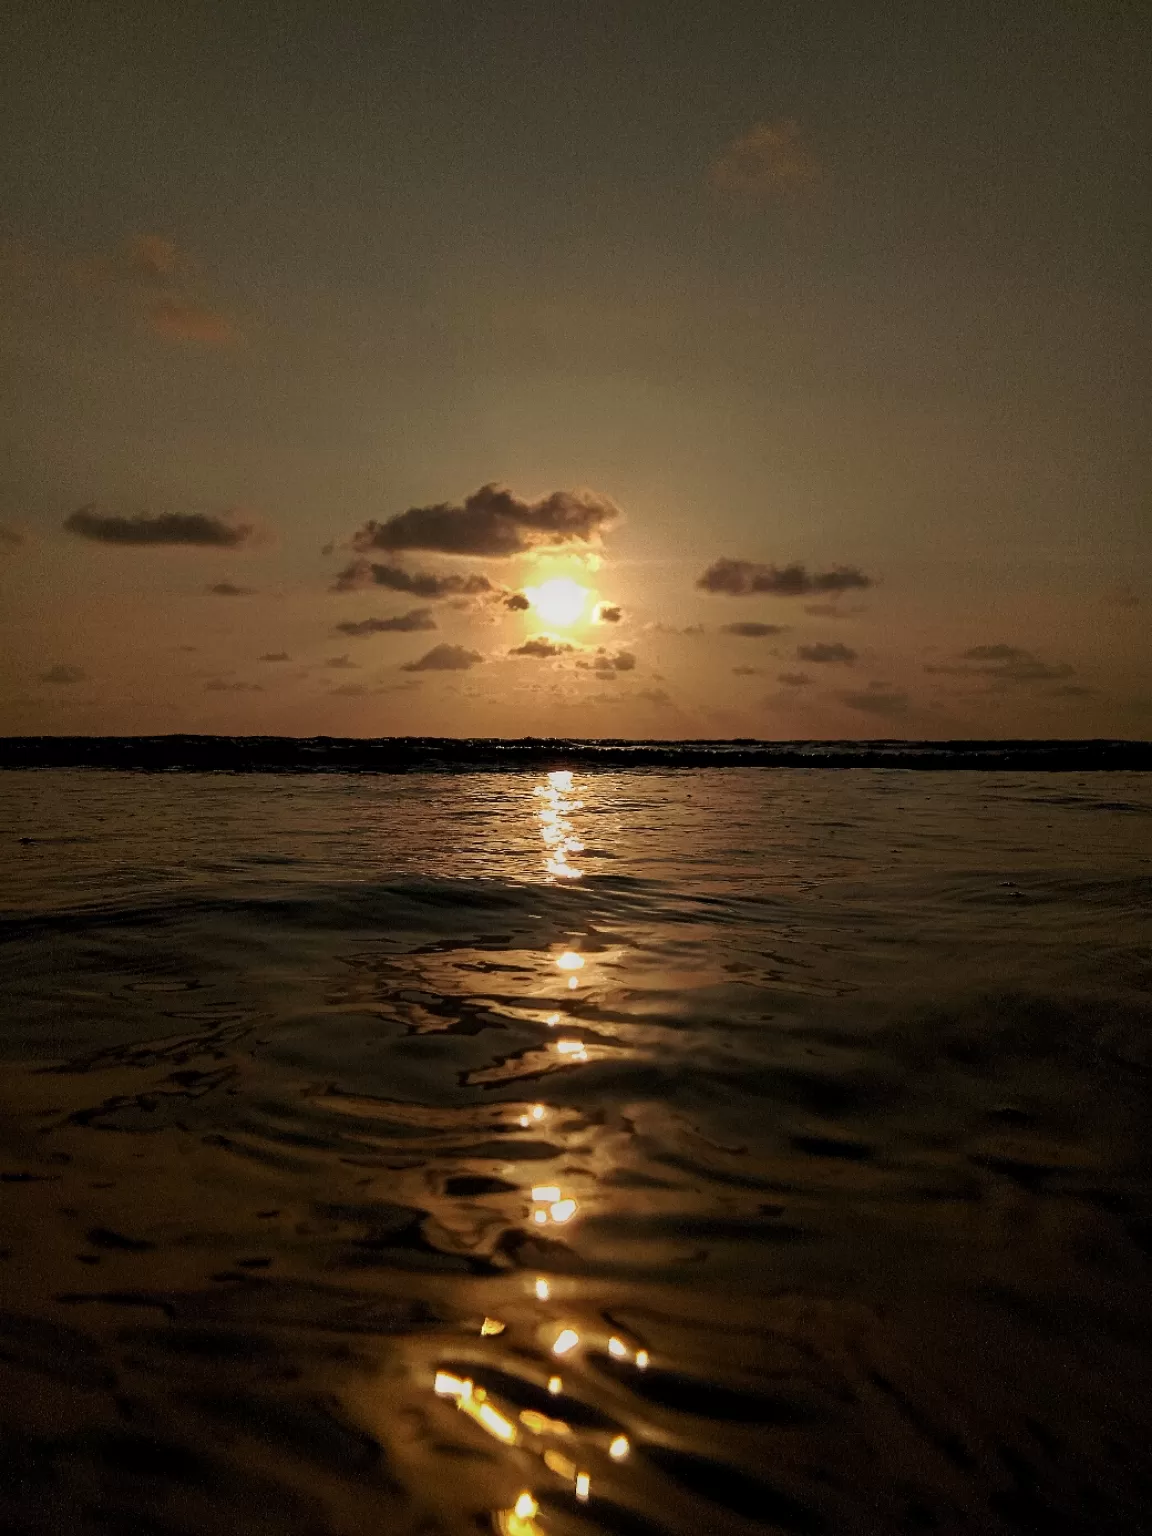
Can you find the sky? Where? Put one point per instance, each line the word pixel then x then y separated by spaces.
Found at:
pixel 588 369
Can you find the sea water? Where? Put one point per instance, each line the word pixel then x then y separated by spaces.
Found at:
pixel 592 1149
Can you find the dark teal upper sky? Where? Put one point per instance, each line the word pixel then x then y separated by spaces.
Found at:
pixel 829 283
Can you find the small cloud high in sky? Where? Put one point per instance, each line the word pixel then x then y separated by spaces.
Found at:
pixel 792 364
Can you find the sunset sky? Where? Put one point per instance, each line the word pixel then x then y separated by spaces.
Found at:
pixel 599 369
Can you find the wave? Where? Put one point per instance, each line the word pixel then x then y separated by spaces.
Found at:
pixel 419 754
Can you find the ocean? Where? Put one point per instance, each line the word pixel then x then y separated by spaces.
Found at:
pixel 553 1137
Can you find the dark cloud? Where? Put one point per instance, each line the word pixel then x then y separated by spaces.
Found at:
pixel 609 613
pixel 822 651
pixel 747 671
pixel 218 685
pixel 402 624
pixel 542 646
pixel 341 663
pixel 751 630
pixel 1003 664
pixel 743 578
pixel 656 696
pixel 179 321
pixel 444 658
pixel 607 662
pixel 877 700
pixel 493 522
pixel 793 679
pixel 196 528
pixel 364 573
pixel 348 691
pixel 517 602
pixel 62 673
pixel 768 161
pixel 226 589
pixel 1073 691
pixel 274 656
pixel 10 536
pixel 1124 598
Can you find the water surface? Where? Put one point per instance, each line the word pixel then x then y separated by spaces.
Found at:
pixel 644 1151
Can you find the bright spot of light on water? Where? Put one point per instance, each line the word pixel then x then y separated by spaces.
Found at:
pixel 566 1341
pixel 570 961
pixel 619 1448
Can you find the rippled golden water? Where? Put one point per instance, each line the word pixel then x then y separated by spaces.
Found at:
pixel 590 1152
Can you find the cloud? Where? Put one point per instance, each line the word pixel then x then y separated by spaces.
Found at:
pixel 542 646
pixel 742 578
pixel 362 573
pixel 348 691
pixel 1003 664
pixel 878 700
pixel 658 696
pixel 831 611
pixel 168 528
pixel 10 536
pixel 62 673
pixel 402 624
pixel 493 522
pixel 769 160
pixel 747 671
pixel 274 656
pixel 341 663
pixel 1073 691
pixel 179 321
pixel 218 685
pixel 793 679
pixel 1123 597
pixel 822 651
pixel 151 257
pixel 444 658
pixel 517 602
pixel 751 630
pixel 608 613
pixel 607 662
pixel 226 589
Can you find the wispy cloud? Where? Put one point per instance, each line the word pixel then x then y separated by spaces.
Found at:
pixel 227 589
pixel 219 685
pixel 877 699
pixel 197 528
pixel 1003 664
pixel 12 537
pixel 179 321
pixel 274 656
pixel 401 624
pixel 426 584
pixel 744 578
pixel 63 673
pixel 493 522
pixel 769 160
pixel 794 679
pixel 749 629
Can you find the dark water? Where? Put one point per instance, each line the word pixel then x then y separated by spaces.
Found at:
pixel 810 1109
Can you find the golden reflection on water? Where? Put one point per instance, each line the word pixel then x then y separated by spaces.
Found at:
pixel 556 832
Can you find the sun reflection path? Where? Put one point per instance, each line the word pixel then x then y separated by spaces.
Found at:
pixel 556 833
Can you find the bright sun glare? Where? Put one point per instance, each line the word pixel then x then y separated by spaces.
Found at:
pixel 559 601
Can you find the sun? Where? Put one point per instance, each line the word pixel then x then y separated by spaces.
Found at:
pixel 560 601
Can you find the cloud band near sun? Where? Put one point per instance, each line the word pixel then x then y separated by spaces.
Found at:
pixel 495 523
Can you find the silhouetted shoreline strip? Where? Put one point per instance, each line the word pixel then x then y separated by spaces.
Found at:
pixel 415 754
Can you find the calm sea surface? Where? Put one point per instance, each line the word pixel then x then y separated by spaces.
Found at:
pixel 625 1152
